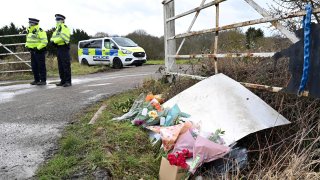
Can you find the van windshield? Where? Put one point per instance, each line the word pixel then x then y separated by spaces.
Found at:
pixel 124 42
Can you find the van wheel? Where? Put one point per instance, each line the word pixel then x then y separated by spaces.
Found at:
pixel 117 64
pixel 85 62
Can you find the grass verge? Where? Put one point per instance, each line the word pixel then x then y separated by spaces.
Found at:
pixel 118 149
pixel 52 71
pixel 78 69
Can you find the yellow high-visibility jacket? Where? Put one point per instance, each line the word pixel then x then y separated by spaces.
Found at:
pixel 36 38
pixel 61 35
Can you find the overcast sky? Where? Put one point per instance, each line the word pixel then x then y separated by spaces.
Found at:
pixel 122 16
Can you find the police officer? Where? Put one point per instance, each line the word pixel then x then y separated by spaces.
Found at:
pixel 61 39
pixel 37 42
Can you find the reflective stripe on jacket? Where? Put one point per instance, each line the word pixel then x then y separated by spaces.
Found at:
pixel 61 35
pixel 36 38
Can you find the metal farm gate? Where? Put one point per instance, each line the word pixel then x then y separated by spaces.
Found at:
pixel 172 53
pixel 27 67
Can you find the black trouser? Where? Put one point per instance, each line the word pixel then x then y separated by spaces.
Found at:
pixel 38 64
pixel 64 64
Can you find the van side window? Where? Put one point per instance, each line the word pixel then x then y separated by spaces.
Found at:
pixel 97 44
pixel 113 45
pixel 84 44
pixel 107 44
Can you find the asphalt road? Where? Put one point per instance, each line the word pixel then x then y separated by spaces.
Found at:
pixel 33 117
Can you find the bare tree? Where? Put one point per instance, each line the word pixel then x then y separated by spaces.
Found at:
pixel 101 35
pixel 285 6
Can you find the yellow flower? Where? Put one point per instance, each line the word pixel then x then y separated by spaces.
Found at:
pixel 153 114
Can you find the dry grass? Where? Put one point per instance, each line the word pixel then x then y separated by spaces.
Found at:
pixel 290 151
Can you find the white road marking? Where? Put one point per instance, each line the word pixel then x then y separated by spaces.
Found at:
pixel 81 81
pixel 86 91
pixel 94 85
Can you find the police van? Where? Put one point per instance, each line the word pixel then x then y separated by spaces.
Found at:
pixel 114 51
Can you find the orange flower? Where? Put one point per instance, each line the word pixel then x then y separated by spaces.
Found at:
pixel 158 107
pixel 149 97
pixel 159 98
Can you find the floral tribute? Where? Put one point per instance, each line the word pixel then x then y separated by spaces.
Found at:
pixel 179 158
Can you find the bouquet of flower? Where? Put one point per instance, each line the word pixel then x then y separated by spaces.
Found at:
pixel 170 134
pixel 179 158
pixel 151 111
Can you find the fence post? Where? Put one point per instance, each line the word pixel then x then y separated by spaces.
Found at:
pixel 169 30
pixel 215 50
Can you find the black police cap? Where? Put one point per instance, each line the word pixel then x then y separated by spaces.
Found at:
pixel 33 20
pixel 60 16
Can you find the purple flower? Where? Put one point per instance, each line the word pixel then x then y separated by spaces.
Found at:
pixel 138 122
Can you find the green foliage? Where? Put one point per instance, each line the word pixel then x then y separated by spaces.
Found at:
pixel 78 35
pixel 231 41
pixel 153 46
pixel 123 106
pixel 58 168
pixel 71 144
pixel 252 35
pixel 9 30
pixel 216 135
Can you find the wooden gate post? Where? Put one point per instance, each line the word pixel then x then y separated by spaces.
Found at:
pixel 169 31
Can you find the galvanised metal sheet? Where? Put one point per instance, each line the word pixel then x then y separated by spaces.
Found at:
pixel 221 102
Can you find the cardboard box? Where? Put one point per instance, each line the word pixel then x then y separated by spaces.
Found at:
pixel 169 172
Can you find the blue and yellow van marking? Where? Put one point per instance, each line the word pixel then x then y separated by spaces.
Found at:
pixel 85 51
pixel 100 52
pixel 113 52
